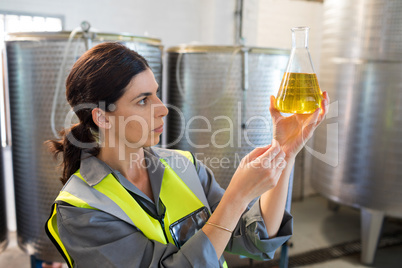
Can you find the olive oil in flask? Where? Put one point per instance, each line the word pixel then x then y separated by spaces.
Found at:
pixel 299 92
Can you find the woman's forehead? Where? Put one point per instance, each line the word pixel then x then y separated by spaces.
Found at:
pixel 141 83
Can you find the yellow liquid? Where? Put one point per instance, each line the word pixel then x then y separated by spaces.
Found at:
pixel 299 93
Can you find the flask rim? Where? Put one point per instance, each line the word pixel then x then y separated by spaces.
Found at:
pixel 300 28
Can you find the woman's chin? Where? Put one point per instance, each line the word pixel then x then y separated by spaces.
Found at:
pixel 153 142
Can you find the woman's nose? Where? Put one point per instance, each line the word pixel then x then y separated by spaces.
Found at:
pixel 160 109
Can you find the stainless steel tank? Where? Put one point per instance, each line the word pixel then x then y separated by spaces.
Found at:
pixel 3 214
pixel 361 69
pixel 34 60
pixel 219 102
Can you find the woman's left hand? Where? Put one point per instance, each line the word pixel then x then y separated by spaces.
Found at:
pixel 294 131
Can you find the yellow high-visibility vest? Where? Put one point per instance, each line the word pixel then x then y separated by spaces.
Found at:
pixel 176 196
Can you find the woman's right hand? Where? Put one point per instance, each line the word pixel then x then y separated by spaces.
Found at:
pixel 258 172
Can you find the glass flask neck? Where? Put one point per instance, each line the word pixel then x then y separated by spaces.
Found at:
pixel 300 37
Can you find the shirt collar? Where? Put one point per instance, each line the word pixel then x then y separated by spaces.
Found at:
pixel 156 169
pixel 94 170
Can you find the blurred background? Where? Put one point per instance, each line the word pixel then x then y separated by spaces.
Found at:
pixel 218 61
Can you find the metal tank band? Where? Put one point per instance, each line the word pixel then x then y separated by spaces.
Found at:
pixel 33 61
pixel 225 49
pixel 223 92
pixel 99 36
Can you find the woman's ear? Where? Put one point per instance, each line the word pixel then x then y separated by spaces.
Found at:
pixel 100 119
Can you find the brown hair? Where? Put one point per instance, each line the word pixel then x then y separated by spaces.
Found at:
pixel 99 76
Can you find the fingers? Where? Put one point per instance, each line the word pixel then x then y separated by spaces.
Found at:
pixel 316 118
pixel 324 103
pixel 324 107
pixel 255 153
pixel 320 113
pixel 272 152
pixel 276 115
pixel 261 174
pixel 326 96
pixel 274 157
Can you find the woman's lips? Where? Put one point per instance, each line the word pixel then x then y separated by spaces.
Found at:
pixel 159 129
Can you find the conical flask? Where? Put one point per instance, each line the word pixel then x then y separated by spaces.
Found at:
pixel 299 92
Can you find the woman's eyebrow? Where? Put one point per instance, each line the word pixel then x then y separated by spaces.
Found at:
pixel 143 94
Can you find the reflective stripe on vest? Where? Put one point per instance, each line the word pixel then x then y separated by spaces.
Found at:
pixel 178 199
pixel 51 225
pixel 53 233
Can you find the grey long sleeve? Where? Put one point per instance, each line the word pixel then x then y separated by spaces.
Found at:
pixel 250 237
pixel 97 239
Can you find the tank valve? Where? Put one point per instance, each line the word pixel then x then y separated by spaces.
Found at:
pixel 85 26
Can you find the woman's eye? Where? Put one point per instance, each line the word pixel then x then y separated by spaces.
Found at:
pixel 143 101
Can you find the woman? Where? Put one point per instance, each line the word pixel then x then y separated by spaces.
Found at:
pixel 128 204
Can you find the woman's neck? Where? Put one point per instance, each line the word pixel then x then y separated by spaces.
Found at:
pixel 130 162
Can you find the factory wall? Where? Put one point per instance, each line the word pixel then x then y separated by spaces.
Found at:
pixel 174 21
pixel 267 23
